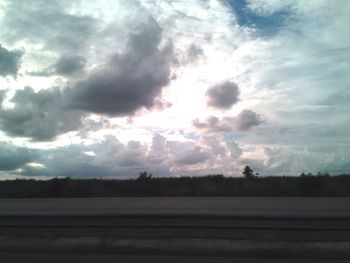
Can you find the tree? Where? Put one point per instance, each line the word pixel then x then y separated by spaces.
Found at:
pixel 144 176
pixel 248 172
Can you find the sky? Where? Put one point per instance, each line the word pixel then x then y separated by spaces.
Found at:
pixel 109 88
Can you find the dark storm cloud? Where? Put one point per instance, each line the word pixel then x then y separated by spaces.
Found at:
pixel 40 116
pixel 66 65
pixel 223 96
pixel 72 160
pixel 9 62
pixel 192 156
pixel 247 119
pixel 13 157
pixel 111 158
pixel 129 81
pixel 242 122
pixel 47 21
pixel 69 65
pixel 108 158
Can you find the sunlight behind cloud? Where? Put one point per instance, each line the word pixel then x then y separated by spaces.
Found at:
pixel 212 85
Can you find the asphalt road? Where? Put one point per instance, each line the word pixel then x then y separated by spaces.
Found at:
pixel 333 212
pixel 215 206
pixel 89 258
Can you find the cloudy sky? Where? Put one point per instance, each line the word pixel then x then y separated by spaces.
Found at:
pixel 107 88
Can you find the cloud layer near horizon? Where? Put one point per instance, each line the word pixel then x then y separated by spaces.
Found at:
pixel 109 88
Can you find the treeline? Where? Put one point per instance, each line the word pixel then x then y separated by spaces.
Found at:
pixel 211 185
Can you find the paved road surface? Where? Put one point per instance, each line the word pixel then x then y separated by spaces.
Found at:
pixel 234 206
pixel 332 208
pixel 74 258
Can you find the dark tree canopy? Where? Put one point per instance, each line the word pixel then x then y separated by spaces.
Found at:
pixel 248 172
pixel 211 185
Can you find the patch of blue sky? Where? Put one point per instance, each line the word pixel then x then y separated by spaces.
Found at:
pixel 265 25
pixel 191 136
pixel 233 137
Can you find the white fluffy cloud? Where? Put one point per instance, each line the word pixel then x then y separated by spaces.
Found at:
pixel 111 158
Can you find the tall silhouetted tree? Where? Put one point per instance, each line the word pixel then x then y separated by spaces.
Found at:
pixel 248 172
pixel 144 176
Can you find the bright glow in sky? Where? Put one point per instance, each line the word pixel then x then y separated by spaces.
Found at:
pixel 108 88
